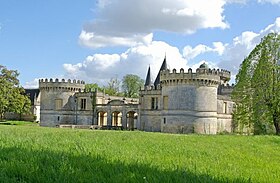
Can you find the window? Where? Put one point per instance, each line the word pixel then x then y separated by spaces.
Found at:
pixel 225 107
pixel 58 104
pixel 164 120
pixel 83 104
pixel 165 102
pixel 154 103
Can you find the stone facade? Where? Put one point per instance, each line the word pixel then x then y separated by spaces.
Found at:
pixel 178 102
pixel 188 102
pixel 67 103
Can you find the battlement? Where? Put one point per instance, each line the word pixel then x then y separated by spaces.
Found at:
pixel 61 85
pixel 225 89
pixel 201 76
pixel 51 80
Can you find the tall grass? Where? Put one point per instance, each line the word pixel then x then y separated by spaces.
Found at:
pixel 37 154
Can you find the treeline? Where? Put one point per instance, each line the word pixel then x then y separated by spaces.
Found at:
pixel 257 89
pixel 12 95
pixel 127 87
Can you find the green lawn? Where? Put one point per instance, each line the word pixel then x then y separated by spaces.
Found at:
pixel 28 123
pixel 37 154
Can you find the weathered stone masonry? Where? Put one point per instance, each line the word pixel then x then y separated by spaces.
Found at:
pixel 177 102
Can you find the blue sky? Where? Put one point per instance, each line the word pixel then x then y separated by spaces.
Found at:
pixel 96 40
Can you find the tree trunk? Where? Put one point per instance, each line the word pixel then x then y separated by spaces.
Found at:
pixel 276 122
pixel 1 116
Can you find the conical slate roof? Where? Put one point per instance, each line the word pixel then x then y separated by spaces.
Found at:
pixel 148 78
pixel 162 68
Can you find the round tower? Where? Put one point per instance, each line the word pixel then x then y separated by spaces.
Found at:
pixel 57 98
pixel 189 100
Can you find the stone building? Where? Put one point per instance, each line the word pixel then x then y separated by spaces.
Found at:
pixel 67 103
pixel 187 102
pixel 177 102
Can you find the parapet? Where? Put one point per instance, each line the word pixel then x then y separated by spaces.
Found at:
pixel 51 80
pixel 62 85
pixel 202 76
pixel 225 89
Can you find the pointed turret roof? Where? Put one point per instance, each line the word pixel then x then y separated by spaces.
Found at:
pixel 148 78
pixel 162 68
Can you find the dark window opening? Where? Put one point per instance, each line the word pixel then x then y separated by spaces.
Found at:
pixel 83 104
pixel 154 103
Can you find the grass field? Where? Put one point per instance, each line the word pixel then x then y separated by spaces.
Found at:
pixel 37 154
pixel 27 123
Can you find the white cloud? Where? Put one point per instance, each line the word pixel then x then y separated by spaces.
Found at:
pixel 274 2
pixel 269 1
pixel 32 84
pixel 190 53
pixel 135 60
pixel 237 1
pixel 128 22
pixel 89 39
pixel 242 45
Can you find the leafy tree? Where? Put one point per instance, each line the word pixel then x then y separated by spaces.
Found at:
pixel 20 103
pixel 131 85
pixel 92 87
pixel 113 87
pixel 242 95
pixel 258 83
pixel 12 98
pixel 266 84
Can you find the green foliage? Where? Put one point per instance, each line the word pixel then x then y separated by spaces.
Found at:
pixel 257 88
pixel 93 87
pixel 113 87
pixel 35 154
pixel 12 98
pixel 242 95
pixel 131 85
pixel 20 103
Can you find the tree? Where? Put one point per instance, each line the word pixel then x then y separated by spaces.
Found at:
pixel 113 87
pixel 258 92
pixel 92 87
pixel 12 98
pixel 131 85
pixel 21 102
pixel 266 84
pixel 242 95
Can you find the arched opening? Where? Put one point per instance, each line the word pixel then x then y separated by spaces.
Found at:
pixel 102 118
pixel 131 118
pixel 116 118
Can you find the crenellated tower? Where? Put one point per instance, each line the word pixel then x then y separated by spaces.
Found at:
pixel 183 102
pixel 57 95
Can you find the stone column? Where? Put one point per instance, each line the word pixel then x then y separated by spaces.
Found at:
pixel 109 118
pixel 124 119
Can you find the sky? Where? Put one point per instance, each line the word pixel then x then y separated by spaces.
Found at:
pixel 96 40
